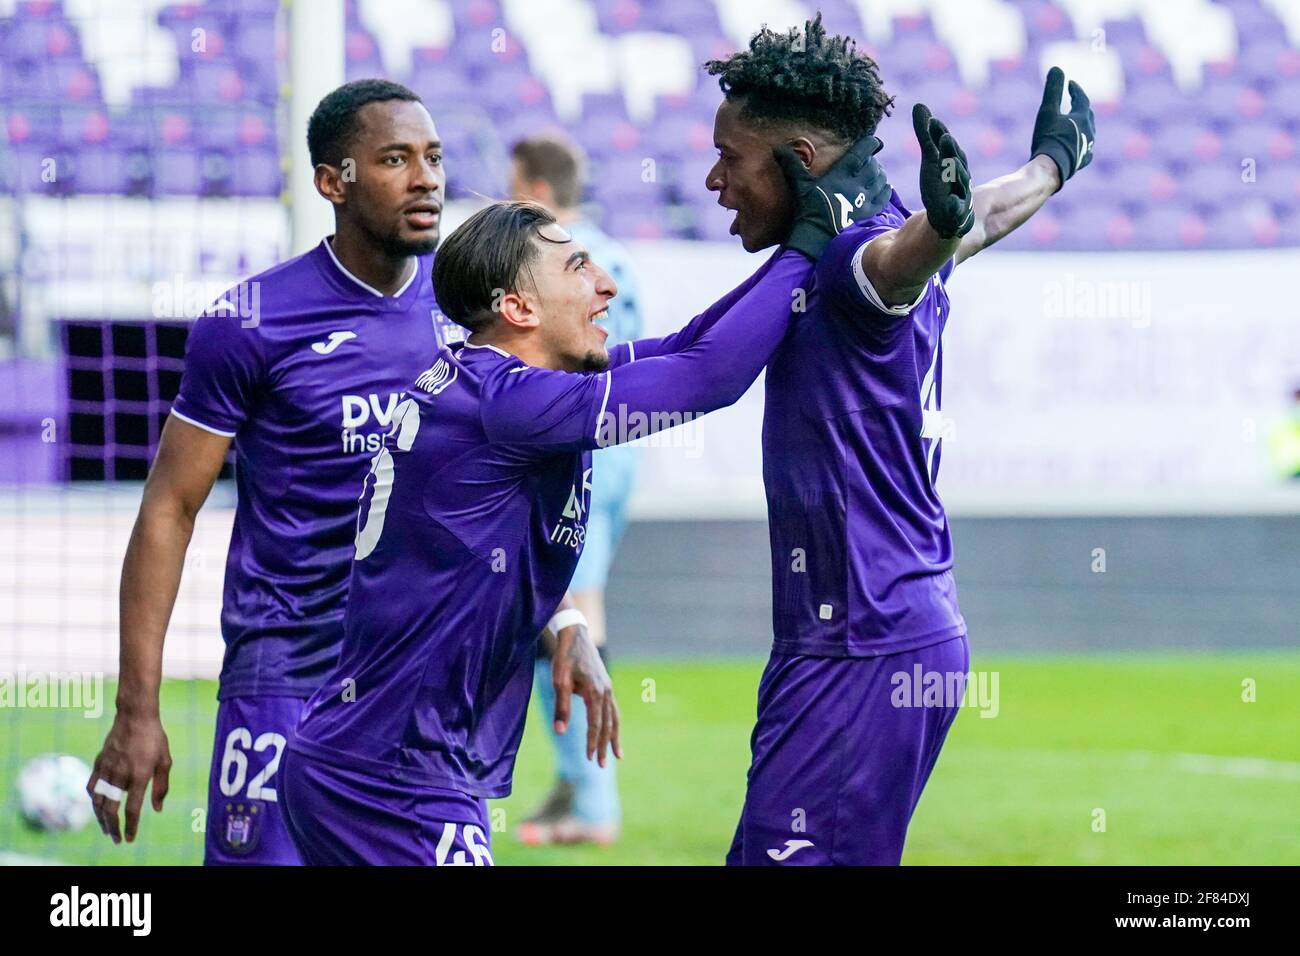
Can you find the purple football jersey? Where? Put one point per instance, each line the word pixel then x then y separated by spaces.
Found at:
pixel 861 552
pixel 471 524
pixel 307 384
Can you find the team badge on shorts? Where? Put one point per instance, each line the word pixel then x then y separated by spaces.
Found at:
pixel 242 827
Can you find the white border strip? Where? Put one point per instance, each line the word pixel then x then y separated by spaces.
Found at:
pixel 206 428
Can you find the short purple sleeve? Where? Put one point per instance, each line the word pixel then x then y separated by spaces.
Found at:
pixel 840 273
pixel 551 410
pixel 224 370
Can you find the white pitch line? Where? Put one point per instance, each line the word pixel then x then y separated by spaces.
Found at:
pixel 1257 768
pixel 17 859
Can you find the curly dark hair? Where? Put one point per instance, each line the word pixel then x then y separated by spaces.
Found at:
pixel 807 77
pixel 334 121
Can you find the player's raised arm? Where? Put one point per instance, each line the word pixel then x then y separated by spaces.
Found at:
pixel 900 262
pixel 135 752
pixel 1061 146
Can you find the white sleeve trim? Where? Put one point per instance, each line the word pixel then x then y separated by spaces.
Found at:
pixel 631 351
pixel 864 283
pixel 206 428
pixel 604 402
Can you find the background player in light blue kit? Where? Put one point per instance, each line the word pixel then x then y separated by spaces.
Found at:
pixel 583 805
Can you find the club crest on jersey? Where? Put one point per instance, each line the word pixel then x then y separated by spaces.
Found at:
pixel 241 827
pixel 573 531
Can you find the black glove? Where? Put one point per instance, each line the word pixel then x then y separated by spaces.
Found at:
pixel 945 177
pixel 854 189
pixel 1065 137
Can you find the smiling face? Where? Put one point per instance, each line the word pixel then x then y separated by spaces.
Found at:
pixel 748 180
pixel 396 196
pixel 566 294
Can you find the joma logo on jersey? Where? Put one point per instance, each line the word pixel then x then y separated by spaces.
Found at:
pixel 573 532
pixel 359 410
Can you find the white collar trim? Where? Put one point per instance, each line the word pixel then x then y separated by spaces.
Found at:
pixel 369 288
pixel 486 345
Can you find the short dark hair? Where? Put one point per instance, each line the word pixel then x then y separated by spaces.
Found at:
pixel 554 160
pixel 485 257
pixel 334 121
pixel 806 77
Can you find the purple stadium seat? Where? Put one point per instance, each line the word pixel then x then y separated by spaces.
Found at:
pixel 686 18
pixel 912 58
pixel 100 170
pixel 1171 227
pixel 1229 100
pixel 1152 100
pixel 1220 184
pixel 619 181
pixel 1133 142
pixel 1044 231
pixel 257 40
pixel 1187 140
pixel 476 14
pixel 1279 185
pixel 1262 140
pixel 619 16
pixel 643 221
pixel 1265 59
pixel 437 85
pixel 82 124
pixel 28 168
pixel 218 81
pixel 1232 228
pixel 361 54
pixel 34 124
pixel 840 17
pixel 680 133
pixel 1045 21
pixel 176 171
pixel 257 173
pixel 1008 101
pixel 1253 19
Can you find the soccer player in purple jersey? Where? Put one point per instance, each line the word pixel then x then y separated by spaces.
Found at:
pixel 864 604
pixel 302 368
pixel 474 517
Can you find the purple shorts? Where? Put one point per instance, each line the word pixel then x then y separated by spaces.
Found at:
pixel 245 824
pixel 842 748
pixel 344 817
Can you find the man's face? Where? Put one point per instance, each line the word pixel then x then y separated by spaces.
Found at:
pixel 397 195
pixel 522 189
pixel 570 295
pixel 748 180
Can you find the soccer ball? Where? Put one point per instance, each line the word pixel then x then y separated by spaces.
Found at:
pixel 52 793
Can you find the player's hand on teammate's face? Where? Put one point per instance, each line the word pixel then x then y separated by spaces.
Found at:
pixel 854 189
pixel 135 754
pixel 945 176
pixel 576 668
pixel 1065 138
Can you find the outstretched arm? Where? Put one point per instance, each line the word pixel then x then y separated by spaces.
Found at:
pixel 1062 145
pixel 958 221
pixel 1007 202
pixel 899 263
pixel 551 410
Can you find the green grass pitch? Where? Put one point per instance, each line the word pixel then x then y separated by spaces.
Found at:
pixel 1185 771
